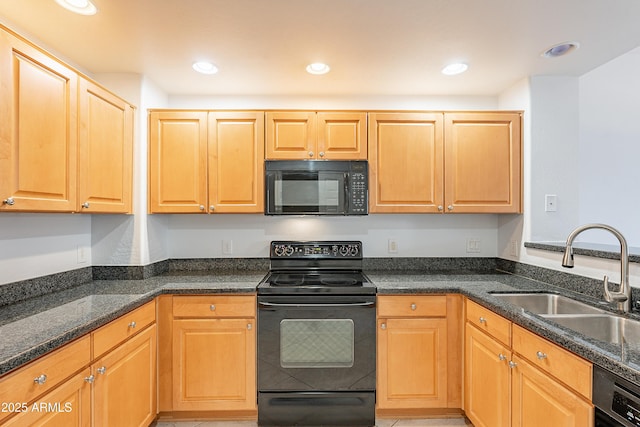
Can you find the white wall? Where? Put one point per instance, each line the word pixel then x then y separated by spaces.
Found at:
pixel 610 148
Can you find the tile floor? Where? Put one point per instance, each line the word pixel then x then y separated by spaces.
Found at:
pixel 433 422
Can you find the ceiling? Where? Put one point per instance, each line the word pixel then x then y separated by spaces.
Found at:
pixel 374 47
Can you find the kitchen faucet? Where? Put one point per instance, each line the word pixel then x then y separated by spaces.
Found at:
pixel 623 297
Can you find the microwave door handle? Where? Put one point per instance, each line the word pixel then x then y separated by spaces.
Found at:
pixel 347 186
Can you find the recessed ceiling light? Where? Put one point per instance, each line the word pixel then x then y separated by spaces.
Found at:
pixel 82 7
pixel 456 68
pixel 205 67
pixel 318 68
pixel 560 49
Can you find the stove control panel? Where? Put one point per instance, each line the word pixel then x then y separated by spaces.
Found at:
pixel 315 250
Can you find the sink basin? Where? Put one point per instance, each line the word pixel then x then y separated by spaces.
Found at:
pixel 608 328
pixel 541 303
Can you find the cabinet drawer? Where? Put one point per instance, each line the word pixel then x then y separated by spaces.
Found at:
pixel 21 386
pixel 489 322
pixel 122 328
pixel 214 306
pixel 412 306
pixel 562 364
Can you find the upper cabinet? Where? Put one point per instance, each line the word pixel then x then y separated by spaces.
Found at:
pixel 203 161
pixel 106 151
pixel 405 162
pixel 445 162
pixel 300 135
pixel 483 162
pixel 65 143
pixel 38 129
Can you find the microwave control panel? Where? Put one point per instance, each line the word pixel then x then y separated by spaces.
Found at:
pixel 359 193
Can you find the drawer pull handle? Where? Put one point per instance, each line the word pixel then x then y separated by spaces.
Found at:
pixel 41 379
pixel 502 357
pixel 102 370
pixel 212 307
pixel 132 324
pixel 482 320
pixel 413 307
pixel 540 355
pixel 90 379
pixel 512 364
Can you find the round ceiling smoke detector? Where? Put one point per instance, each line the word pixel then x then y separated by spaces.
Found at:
pixel 318 68
pixel 560 49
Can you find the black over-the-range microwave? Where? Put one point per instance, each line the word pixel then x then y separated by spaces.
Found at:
pixel 316 187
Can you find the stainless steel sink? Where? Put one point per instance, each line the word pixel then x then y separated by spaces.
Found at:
pixel 546 303
pixel 606 327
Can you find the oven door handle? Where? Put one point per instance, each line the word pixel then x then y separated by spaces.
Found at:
pixel 352 304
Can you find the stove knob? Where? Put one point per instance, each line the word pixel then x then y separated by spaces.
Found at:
pixel 288 250
pixel 354 250
pixel 279 250
pixel 344 250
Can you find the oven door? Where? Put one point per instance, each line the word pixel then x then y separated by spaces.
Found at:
pixel 317 192
pixel 316 343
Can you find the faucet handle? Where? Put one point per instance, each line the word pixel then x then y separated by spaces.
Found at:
pixel 612 296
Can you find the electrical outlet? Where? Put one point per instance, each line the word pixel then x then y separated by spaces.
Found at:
pixel 82 255
pixel 513 248
pixel 550 203
pixel 473 245
pixel 393 246
pixel 227 247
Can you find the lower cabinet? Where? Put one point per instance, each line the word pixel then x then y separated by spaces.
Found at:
pixel 419 353
pixel 520 379
pixel 124 390
pixel 208 356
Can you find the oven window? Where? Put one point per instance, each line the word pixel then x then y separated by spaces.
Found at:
pixel 316 343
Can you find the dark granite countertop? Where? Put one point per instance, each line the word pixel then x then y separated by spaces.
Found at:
pixel 36 326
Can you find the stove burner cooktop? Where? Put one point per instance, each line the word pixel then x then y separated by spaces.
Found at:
pixel 333 267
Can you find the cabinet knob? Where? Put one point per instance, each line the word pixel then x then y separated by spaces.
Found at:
pixel 41 379
pixel 212 208
pixel 482 320
pixel 9 201
pixel 90 379
pixel 321 154
pixel 413 307
pixel 249 326
pixel 383 326
pixel 310 153
pixel 212 307
pixel 502 357
pixel 201 207
pixel 102 370
pixel 512 364
pixel 440 208
pixel 85 205
pixel 450 208
pixel 132 324
pixel 540 355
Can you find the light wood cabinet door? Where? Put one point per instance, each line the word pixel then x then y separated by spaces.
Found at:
pixel 38 129
pixel 68 405
pixel 236 162
pixel 342 136
pixel 125 392
pixel 483 162
pixel 405 162
pixel 412 363
pixel 487 380
pixel 291 135
pixel 214 364
pixel 106 151
pixel 178 162
pixel 538 400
